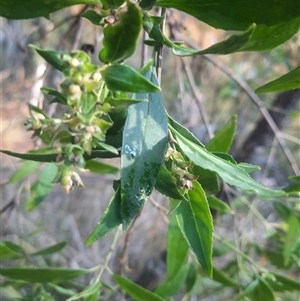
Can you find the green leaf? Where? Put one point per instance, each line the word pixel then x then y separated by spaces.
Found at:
pixel 120 38
pixel 126 79
pixel 219 205
pixel 295 178
pixel 88 101
pixel 24 171
pixel 177 127
pixel 42 275
pixel 112 3
pixel 172 285
pixel 50 250
pixel 119 104
pixel 223 139
pixel 177 248
pixel 236 15
pixel 269 37
pixel 166 184
pixel 52 57
pixel 19 9
pixel 207 179
pixel 263 291
pixel 195 221
pixel 110 219
pixel 225 157
pixel 293 190
pixel 62 290
pixel 192 279
pixel 135 291
pixel 291 239
pixel 221 277
pixel 144 143
pixel 58 97
pixel 38 157
pixel 42 187
pixel 256 38
pixel 9 250
pixel 287 283
pixel 92 16
pixel 230 173
pixel 147 4
pixel 284 211
pixel 91 289
pixel 100 168
pixel 35 109
pixel 108 147
pixel 249 168
pixel 247 291
pixel 289 81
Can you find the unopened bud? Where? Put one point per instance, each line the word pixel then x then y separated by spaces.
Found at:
pixel 97 76
pixel 74 62
pixel 74 89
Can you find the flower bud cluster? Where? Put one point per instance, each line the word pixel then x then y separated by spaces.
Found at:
pixel 85 122
pixel 180 168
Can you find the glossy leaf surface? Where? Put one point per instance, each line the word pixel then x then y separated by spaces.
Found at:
pixel 223 139
pixel 119 104
pixel 236 15
pixel 195 221
pixel 126 79
pixel 120 39
pixel 230 173
pixel 111 219
pixel 289 81
pixel 51 56
pixel 144 142
pixel 177 127
pixel 58 97
pixel 112 3
pixel 92 16
pixel 19 9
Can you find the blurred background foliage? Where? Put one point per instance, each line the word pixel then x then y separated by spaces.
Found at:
pixel 256 228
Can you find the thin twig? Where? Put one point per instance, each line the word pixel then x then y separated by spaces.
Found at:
pixel 144 55
pixel 63 39
pixel 12 204
pixel 198 99
pixel 257 101
pixel 159 56
pixel 181 88
pixel 78 33
pixel 123 257
pixel 107 257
